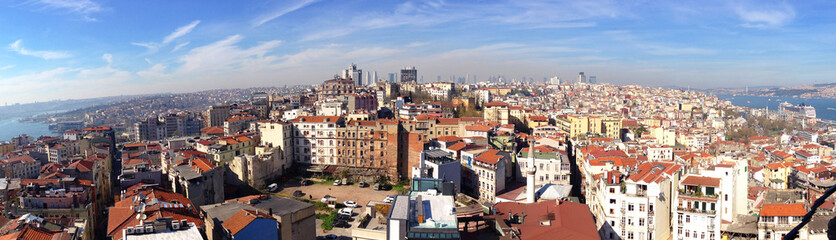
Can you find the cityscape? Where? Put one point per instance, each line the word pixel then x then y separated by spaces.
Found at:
pixel 234 126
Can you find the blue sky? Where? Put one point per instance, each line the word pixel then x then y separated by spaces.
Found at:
pixel 60 49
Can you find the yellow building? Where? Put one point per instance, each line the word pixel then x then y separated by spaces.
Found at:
pixel 6 148
pixel 775 175
pixel 497 112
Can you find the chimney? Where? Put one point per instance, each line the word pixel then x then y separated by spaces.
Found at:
pixel 419 205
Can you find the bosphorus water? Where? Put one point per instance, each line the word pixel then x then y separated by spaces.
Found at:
pixel 825 107
pixel 12 127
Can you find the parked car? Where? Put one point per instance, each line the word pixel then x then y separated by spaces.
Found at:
pixel 331 237
pixel 273 187
pixel 337 182
pixel 298 193
pixel 350 204
pixel 341 223
pixel 389 199
pixel 363 184
pixel 325 198
pixel 346 211
pixel 305 182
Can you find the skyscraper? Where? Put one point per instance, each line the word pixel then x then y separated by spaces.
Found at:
pixel 391 77
pixel 409 74
pixel 593 79
pixel 354 73
pixel 581 78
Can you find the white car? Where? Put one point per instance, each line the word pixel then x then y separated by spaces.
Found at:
pixel 336 182
pixel 345 211
pixel 389 199
pixel 350 204
pixel 325 198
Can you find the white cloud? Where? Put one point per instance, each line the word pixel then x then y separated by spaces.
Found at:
pixel 281 11
pixel 108 58
pixel 181 31
pixel 7 67
pixel 762 16
pixel 17 46
pixel 81 7
pixel 665 50
pixel 225 55
pixel 179 46
pixel 178 33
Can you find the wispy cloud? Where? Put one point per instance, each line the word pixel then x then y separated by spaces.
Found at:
pixel 178 33
pixel 17 46
pixel 7 67
pixel 665 50
pixel 764 16
pixel 108 58
pixel 179 46
pixel 281 11
pixel 181 31
pixel 83 8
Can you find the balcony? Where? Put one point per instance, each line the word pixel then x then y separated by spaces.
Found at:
pixel 696 210
pixel 697 194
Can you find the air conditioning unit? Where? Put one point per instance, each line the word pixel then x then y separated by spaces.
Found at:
pixel 139 230
pixel 129 230
pixel 149 229
pixel 184 224
pixel 175 225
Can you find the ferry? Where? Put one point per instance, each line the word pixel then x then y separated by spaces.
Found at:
pixel 804 109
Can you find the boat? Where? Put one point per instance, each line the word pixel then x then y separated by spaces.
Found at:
pixel 803 109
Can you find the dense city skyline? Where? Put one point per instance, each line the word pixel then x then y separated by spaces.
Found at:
pixel 59 49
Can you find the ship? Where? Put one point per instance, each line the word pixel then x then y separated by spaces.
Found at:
pixel 803 109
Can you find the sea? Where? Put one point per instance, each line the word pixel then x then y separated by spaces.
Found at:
pixel 825 107
pixel 12 127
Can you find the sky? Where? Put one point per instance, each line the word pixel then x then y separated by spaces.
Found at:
pixel 69 49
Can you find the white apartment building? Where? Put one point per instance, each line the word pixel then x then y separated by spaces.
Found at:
pixel 639 207
pixel 553 166
pixel 314 138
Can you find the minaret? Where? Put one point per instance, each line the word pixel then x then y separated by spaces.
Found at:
pixel 529 188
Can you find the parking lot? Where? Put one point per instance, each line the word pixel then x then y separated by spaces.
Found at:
pixel 361 196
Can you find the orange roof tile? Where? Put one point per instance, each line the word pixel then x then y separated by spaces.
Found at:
pixel 240 220
pixel 774 210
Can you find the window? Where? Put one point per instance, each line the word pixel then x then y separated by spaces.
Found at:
pixel 630 207
pixel 783 220
pixel 641 222
pixel 641 207
pixel 650 208
pixel 612 212
pixel 612 201
pixel 612 190
pixel 726 196
pixel 687 233
pixel 688 219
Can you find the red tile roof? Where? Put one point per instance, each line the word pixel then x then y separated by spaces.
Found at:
pixel 240 220
pixel 489 157
pixel 203 164
pixel 775 210
pixel 213 130
pixel 567 220
pixel 654 172
pixel 478 128
pixel 701 181
pixel 496 104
